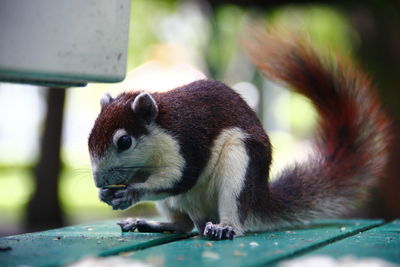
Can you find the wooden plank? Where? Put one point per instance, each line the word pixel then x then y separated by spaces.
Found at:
pixel 252 249
pixel 381 242
pixel 65 245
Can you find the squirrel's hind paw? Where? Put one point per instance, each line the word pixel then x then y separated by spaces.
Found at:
pixel 218 231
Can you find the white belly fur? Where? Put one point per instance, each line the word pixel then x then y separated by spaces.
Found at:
pixel 215 194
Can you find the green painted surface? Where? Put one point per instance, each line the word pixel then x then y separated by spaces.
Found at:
pixel 380 242
pixel 252 249
pixel 64 245
pixel 57 247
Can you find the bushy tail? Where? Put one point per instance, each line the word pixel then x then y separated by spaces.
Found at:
pixel 353 131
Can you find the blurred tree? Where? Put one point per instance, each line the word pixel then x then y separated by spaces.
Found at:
pixel 44 209
pixel 377 25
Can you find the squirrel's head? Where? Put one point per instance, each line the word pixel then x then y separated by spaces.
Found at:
pixel 126 146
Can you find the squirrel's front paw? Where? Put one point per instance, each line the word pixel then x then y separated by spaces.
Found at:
pixel 123 199
pixel 107 194
pixel 130 224
pixel 120 199
pixel 218 231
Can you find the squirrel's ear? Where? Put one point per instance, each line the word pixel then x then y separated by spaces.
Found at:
pixel 105 100
pixel 145 107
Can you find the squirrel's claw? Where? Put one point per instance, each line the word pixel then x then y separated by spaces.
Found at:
pixel 128 225
pixel 218 231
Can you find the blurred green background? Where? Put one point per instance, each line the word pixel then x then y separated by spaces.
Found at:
pixel 204 35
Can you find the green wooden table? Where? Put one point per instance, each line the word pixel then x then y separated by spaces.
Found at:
pixel 335 238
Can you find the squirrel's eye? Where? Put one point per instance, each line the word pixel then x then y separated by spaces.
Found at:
pixel 124 142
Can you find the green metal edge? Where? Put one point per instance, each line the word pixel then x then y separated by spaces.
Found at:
pixel 166 238
pixel 258 249
pixel 66 245
pixel 381 242
pixel 316 246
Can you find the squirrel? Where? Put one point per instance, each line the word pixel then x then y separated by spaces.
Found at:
pixel 201 152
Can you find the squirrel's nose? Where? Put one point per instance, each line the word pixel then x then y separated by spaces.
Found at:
pixel 99 180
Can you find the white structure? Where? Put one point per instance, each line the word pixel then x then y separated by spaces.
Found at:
pixel 63 42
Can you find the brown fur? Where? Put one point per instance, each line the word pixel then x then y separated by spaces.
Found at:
pixel 353 135
pixel 118 114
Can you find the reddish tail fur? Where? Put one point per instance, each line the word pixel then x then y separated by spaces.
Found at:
pixel 351 144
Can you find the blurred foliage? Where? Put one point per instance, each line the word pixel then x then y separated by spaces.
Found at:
pixel 327 27
pixel 15 187
pixel 329 31
pixel 143 28
pixel 226 25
